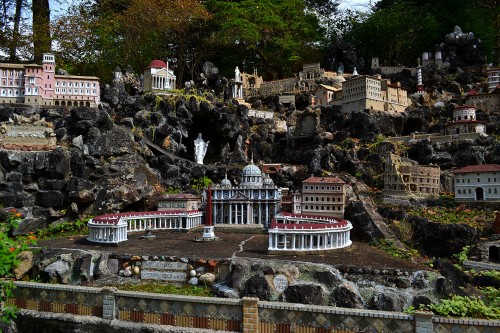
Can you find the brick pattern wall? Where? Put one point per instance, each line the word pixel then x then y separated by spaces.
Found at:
pixel 248 315
pixel 181 311
pixel 319 319
pixel 464 325
pixel 85 301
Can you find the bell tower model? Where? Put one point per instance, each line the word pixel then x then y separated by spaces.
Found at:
pixel 48 78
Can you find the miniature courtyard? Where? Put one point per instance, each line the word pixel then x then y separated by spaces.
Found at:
pixel 233 244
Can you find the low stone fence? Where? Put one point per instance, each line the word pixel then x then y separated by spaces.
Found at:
pixel 396 200
pixel 248 315
pixel 479 265
pixel 435 138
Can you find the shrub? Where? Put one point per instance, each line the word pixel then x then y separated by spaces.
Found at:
pixel 9 250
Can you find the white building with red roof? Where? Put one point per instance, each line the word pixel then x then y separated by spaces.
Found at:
pixel 308 234
pixel 464 121
pixel 323 196
pixel 478 183
pixel 158 77
pixel 113 228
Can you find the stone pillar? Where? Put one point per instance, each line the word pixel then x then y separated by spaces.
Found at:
pixel 423 322
pixel 236 213
pixel 250 315
pixel 108 303
pixel 230 213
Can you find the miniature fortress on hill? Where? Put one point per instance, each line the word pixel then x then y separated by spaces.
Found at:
pixel 254 203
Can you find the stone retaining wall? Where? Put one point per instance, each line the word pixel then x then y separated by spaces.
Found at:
pixel 248 315
pixel 435 138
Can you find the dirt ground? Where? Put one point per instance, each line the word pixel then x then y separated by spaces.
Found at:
pixel 177 244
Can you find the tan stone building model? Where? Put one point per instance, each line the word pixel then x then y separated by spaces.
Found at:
pixel 323 196
pixel 362 92
pixel 487 102
pixel 328 95
pixel 406 179
pixel 181 201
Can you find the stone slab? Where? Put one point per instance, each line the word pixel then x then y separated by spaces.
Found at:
pixel 163 276
pixel 164 265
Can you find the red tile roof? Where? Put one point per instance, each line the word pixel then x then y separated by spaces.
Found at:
pixel 479 168
pixel 465 121
pixel 308 222
pixel 324 180
pixel 114 218
pixel 157 64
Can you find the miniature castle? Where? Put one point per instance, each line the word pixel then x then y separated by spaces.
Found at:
pixel 35 84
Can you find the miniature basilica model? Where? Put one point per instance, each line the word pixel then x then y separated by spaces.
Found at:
pixel 255 201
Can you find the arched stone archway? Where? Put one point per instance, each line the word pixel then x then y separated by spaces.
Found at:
pixel 63 103
pixel 56 103
pixel 479 194
pixel 494 253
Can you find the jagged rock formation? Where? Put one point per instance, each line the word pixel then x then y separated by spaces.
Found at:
pixel 120 156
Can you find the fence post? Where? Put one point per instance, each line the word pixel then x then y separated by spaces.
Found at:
pixel 108 303
pixel 423 322
pixel 250 315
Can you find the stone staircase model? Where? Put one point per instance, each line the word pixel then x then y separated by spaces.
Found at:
pixel 363 195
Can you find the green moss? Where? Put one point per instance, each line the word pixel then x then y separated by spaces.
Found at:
pixel 158 288
pixel 477 218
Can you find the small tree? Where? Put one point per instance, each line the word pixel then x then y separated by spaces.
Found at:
pixel 201 183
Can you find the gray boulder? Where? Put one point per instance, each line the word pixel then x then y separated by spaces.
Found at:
pixel 59 272
pixel 347 295
pixel 257 286
pixel 305 294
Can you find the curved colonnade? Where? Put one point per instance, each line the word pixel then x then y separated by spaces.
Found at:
pixel 113 228
pixel 296 233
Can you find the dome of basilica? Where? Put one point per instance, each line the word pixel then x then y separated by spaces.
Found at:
pixel 251 170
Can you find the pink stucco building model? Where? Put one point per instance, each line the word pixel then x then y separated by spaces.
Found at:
pixel 39 85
